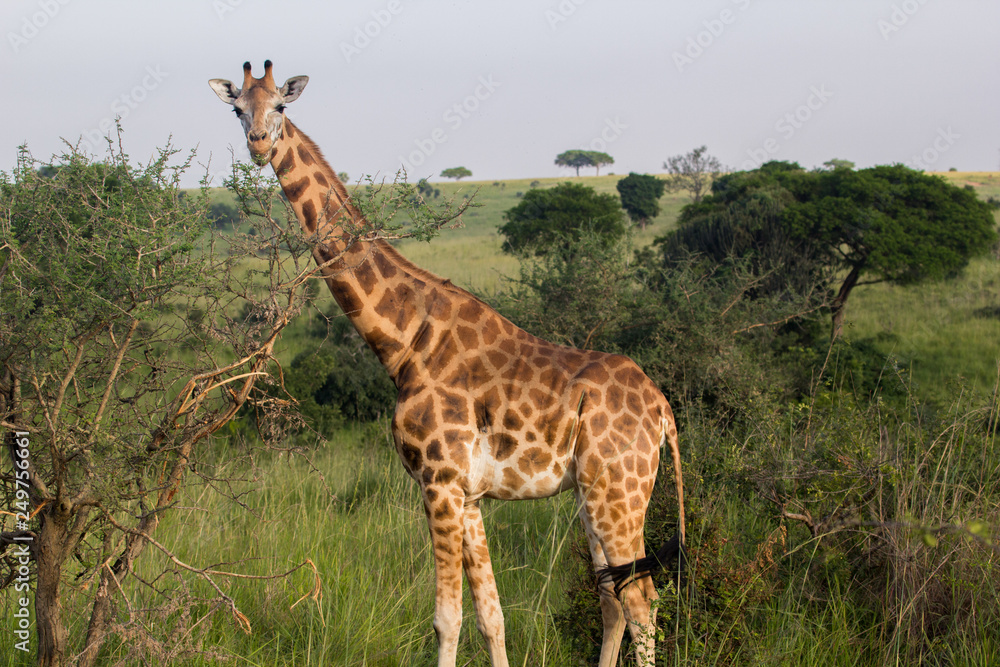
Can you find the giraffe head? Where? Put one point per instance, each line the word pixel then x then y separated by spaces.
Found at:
pixel 260 105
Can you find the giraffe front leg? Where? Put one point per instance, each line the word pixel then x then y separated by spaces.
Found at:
pixel 445 508
pixel 479 572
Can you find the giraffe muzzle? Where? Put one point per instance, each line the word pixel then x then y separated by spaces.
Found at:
pixel 260 151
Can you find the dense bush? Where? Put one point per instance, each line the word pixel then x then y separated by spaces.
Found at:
pixel 694 328
pixel 556 217
pixel 640 195
pixel 341 380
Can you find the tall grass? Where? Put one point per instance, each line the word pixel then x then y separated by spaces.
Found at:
pixel 841 534
pixel 352 511
pixel 949 332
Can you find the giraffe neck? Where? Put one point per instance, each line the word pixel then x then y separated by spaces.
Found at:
pixel 386 297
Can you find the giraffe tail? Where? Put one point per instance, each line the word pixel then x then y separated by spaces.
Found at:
pixel 622 575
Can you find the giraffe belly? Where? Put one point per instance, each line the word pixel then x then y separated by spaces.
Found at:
pixel 530 472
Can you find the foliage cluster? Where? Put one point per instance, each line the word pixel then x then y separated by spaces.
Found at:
pixel 458 173
pixel 554 217
pixel 640 195
pixel 692 172
pixel 838 229
pixel 577 158
pixel 341 381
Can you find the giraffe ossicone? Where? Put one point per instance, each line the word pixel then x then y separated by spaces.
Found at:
pixel 484 409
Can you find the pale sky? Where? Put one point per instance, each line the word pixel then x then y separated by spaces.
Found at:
pixel 503 87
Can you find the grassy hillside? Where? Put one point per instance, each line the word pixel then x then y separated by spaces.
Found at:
pixel 471 256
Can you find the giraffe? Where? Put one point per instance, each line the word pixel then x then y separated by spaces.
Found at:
pixel 484 409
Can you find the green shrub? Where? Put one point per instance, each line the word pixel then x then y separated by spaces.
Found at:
pixel 340 380
pixel 553 218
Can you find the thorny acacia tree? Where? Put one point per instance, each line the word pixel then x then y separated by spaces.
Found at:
pixel 881 224
pixel 128 336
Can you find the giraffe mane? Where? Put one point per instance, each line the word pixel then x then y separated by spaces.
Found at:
pixel 340 190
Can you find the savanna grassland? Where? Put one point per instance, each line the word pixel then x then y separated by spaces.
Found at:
pixel 904 553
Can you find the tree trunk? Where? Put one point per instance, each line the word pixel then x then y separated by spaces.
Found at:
pixel 840 302
pixel 50 555
pixel 103 610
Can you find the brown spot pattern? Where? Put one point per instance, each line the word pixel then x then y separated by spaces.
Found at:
pixel 534 461
pixel 294 191
pixel 503 445
pixel 467 336
pixel 454 408
pixel 470 311
pixel 434 451
pixel 309 215
pixel 384 266
pixel 365 275
pixel 615 397
pixel 512 421
pixel 419 420
pixel 286 164
pixel 306 155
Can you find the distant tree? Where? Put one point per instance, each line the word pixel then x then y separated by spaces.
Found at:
pixel 581 158
pixel 837 163
pixel 458 173
pixel 640 195
pixel 693 172
pixel 545 218
pixel 574 159
pixel 886 223
pixel 342 175
pixel 597 159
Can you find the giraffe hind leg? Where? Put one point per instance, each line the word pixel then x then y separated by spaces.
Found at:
pixel 482 584
pixel 612 615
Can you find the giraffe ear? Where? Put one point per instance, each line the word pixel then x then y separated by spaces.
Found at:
pixel 226 91
pixel 293 88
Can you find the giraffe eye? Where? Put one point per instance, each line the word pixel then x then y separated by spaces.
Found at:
pixel 237 111
pixel 280 108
